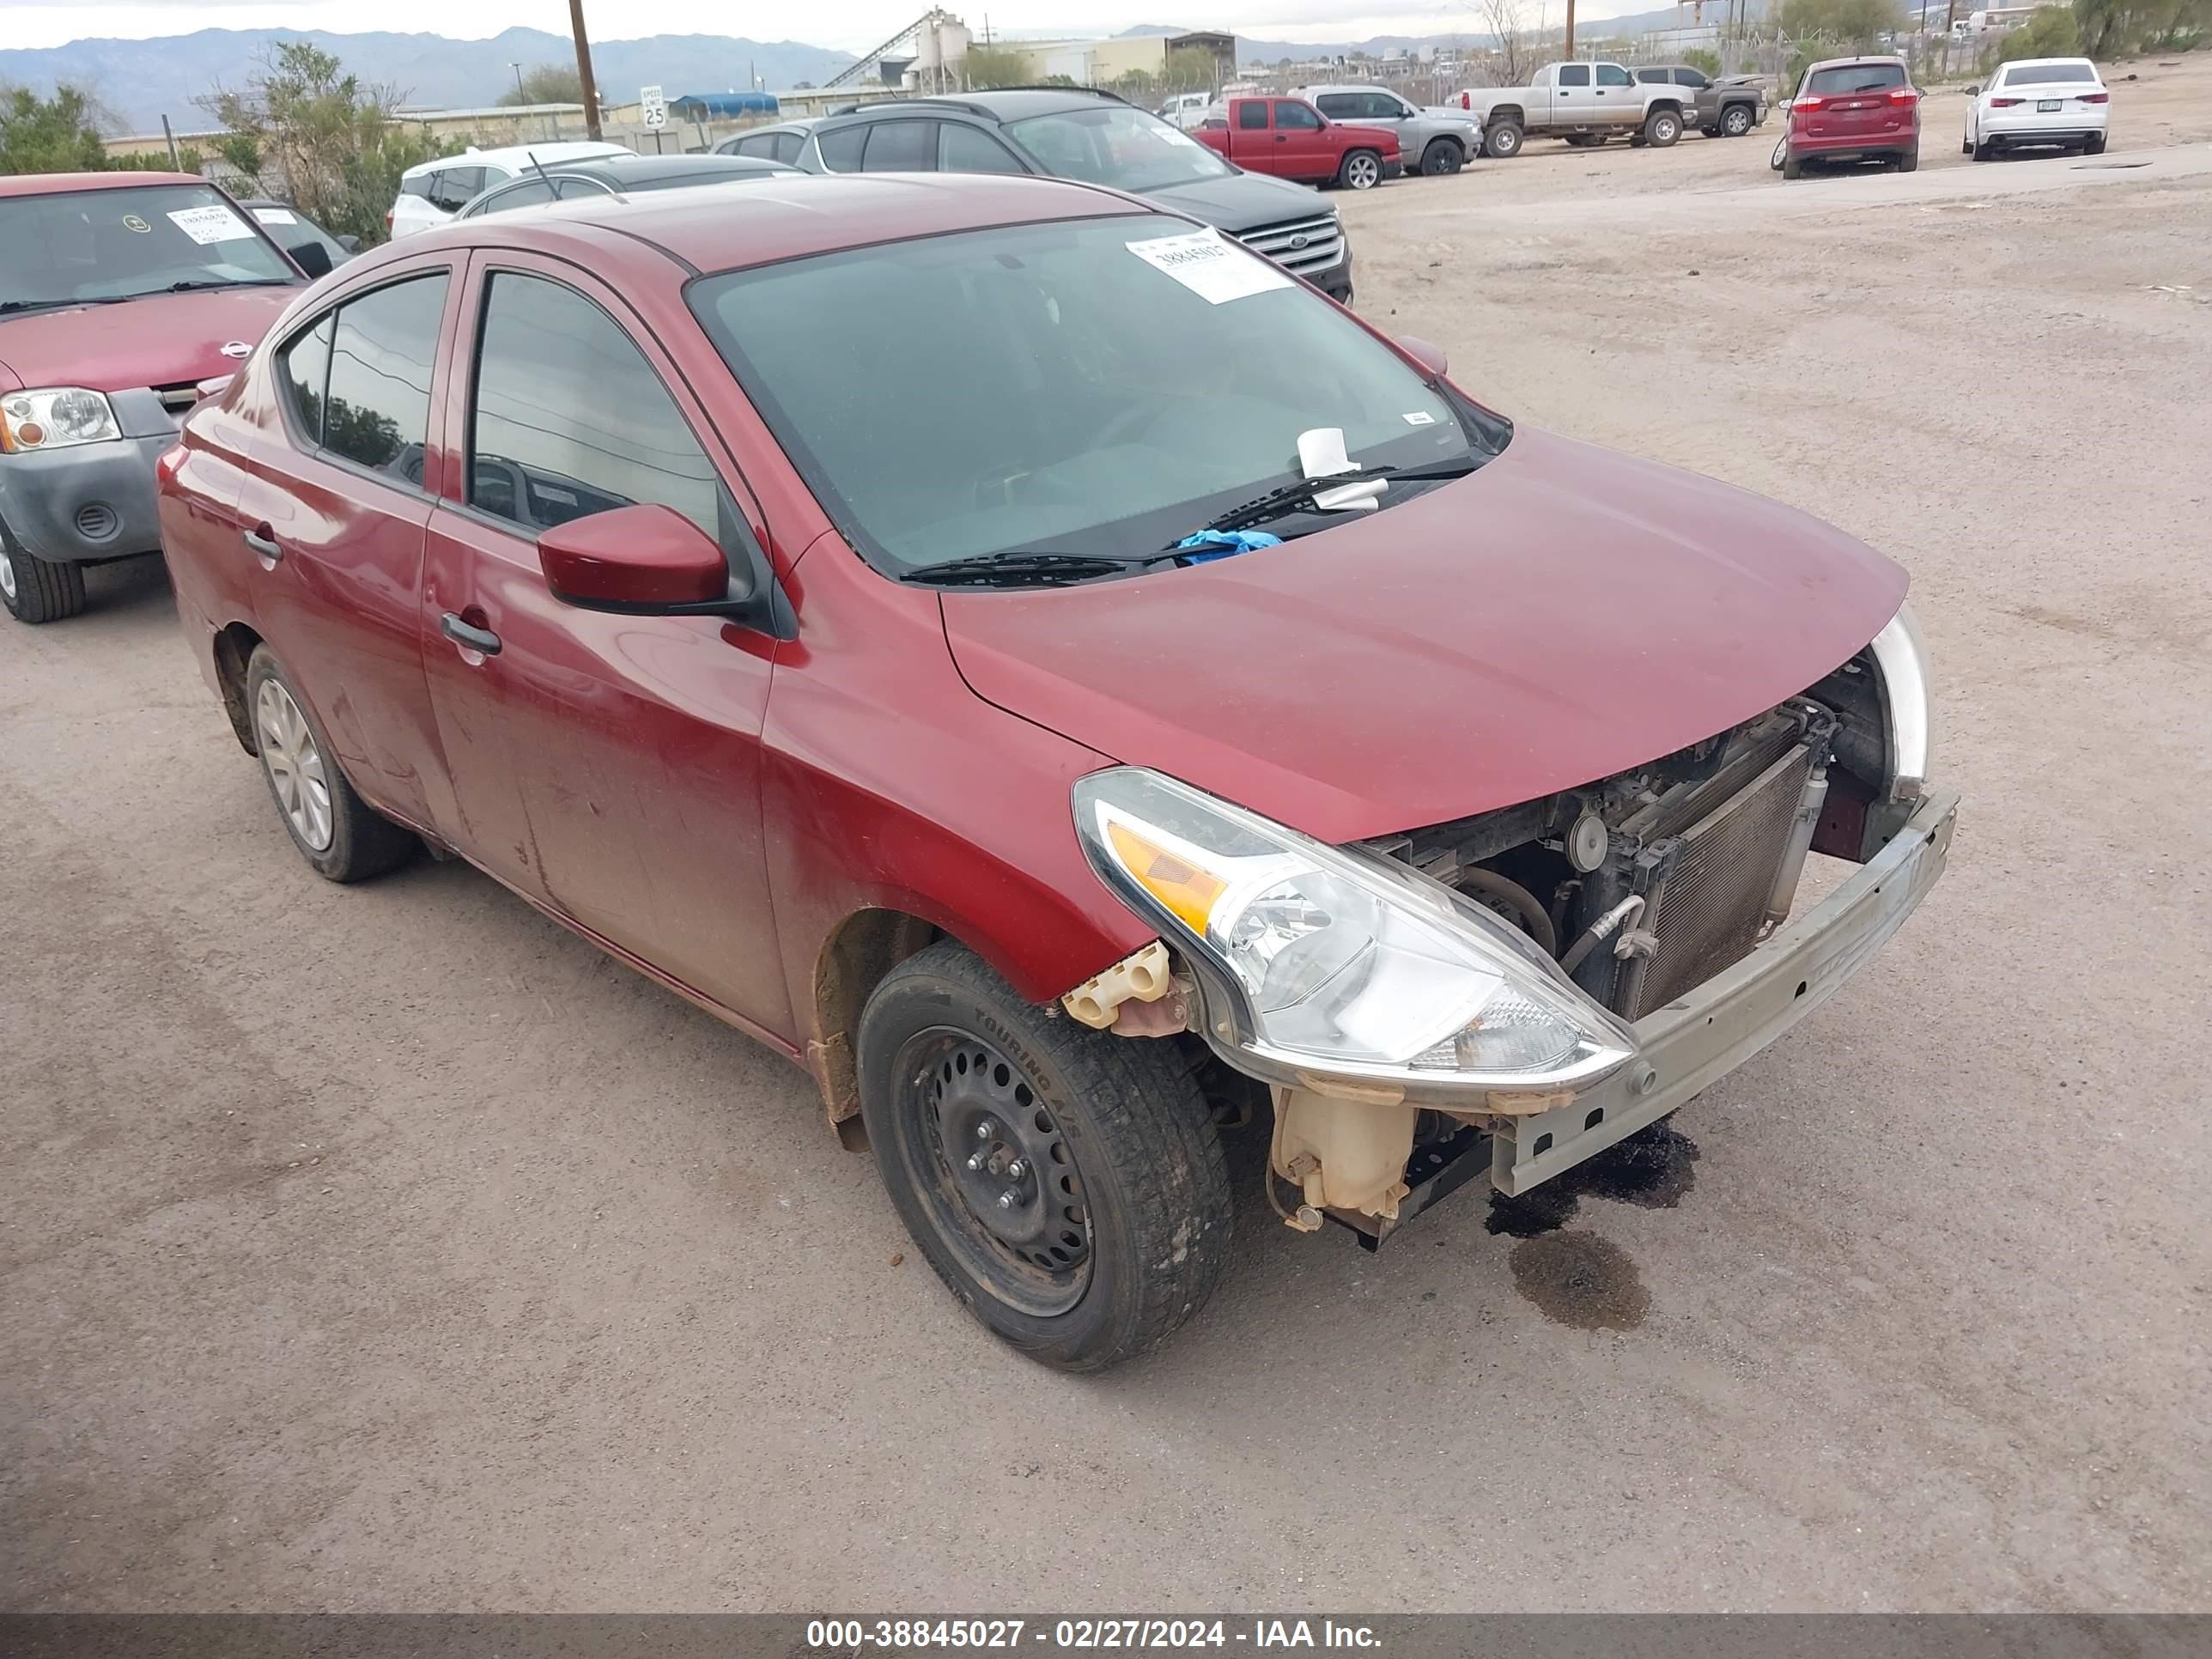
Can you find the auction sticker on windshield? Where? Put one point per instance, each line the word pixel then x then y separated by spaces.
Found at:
pixel 208 225
pixel 1211 267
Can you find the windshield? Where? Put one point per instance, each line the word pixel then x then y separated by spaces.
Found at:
pixel 1097 388
pixel 80 246
pixel 1116 145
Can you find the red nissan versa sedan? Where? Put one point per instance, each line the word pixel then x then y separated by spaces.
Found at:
pixel 892 613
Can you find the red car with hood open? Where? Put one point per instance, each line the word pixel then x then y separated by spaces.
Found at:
pixel 1066 684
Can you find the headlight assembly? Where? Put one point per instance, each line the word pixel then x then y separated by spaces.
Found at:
pixel 54 418
pixel 1900 658
pixel 1317 961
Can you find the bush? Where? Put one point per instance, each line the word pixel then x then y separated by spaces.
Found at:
pixel 49 135
pixel 1707 61
pixel 2052 33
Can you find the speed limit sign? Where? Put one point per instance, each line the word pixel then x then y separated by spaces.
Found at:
pixel 652 108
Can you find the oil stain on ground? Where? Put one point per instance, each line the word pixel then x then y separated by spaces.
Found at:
pixel 1652 1168
pixel 1582 1281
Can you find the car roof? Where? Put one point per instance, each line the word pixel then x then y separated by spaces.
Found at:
pixel 1002 104
pixel 519 155
pixel 791 216
pixel 641 170
pixel 58 184
pixel 1853 62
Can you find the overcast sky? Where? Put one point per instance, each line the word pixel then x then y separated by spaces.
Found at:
pixel 853 25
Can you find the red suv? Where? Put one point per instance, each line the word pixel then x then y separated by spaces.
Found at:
pixel 886 612
pixel 1853 109
pixel 120 293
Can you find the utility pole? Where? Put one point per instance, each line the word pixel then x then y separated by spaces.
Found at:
pixel 520 96
pixel 584 69
pixel 1567 47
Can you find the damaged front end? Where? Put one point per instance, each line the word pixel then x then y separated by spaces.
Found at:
pixel 1519 990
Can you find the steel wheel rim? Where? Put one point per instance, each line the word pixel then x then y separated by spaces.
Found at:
pixel 1735 123
pixel 985 1135
pixel 293 764
pixel 1365 172
pixel 7 575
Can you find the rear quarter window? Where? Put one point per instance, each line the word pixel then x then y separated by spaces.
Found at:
pixel 841 150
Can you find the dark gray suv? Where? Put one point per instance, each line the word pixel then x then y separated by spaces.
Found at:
pixel 1094 137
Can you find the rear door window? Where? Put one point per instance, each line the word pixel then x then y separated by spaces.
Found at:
pixel 841 150
pixel 569 419
pixel 900 146
pixel 452 188
pixel 1574 75
pixel 1652 77
pixel 787 146
pixel 378 408
pixel 1849 78
pixel 303 369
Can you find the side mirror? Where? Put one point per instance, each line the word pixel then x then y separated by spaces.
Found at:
pixel 349 242
pixel 1431 357
pixel 1973 92
pixel 642 560
pixel 313 257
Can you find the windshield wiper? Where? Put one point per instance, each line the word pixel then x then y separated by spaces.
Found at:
pixel 194 284
pixel 6 305
pixel 1295 497
pixel 1017 569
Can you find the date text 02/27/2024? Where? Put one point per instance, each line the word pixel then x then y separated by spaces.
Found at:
pixel 1084 1634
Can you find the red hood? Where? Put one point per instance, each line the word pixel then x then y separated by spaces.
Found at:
pixel 162 340
pixel 1383 138
pixel 1564 613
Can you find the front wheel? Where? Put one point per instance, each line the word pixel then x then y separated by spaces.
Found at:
pixel 1066 1184
pixel 36 589
pixel 1502 141
pixel 1735 121
pixel 1441 157
pixel 1362 169
pixel 1663 128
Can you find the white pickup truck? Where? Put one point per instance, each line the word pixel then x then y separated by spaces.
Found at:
pixel 1585 102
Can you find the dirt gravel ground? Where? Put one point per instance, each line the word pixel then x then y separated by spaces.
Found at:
pixel 390 1248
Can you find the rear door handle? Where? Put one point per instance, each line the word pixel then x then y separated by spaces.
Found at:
pixel 480 639
pixel 264 544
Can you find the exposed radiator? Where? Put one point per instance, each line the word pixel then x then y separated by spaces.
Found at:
pixel 1708 902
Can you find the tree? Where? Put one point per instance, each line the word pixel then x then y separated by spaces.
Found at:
pixel 2052 33
pixel 304 129
pixel 1853 23
pixel 549 83
pixel 1515 58
pixel 996 66
pixel 49 135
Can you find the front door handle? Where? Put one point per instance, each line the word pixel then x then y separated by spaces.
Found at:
pixel 480 639
pixel 264 544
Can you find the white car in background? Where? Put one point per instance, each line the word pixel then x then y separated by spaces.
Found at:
pixel 2038 101
pixel 432 192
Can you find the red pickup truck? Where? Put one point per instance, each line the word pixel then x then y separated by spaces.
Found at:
pixel 1292 139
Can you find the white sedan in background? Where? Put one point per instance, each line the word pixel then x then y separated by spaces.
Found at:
pixel 2038 101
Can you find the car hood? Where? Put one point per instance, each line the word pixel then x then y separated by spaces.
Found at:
pixel 162 340
pixel 1243 201
pixel 1561 614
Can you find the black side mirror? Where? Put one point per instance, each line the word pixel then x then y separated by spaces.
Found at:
pixel 349 242
pixel 1973 92
pixel 313 257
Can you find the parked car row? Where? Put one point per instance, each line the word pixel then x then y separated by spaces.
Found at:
pixel 1851 110
pixel 954 629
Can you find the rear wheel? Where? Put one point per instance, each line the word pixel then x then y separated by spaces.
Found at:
pixel 1441 157
pixel 1662 129
pixel 1984 150
pixel 1066 1184
pixel 339 834
pixel 37 590
pixel 1909 162
pixel 1792 167
pixel 1735 120
pixel 2094 145
pixel 1502 141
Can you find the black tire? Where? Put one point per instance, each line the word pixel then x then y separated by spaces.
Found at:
pixel 1360 169
pixel 1501 140
pixel 1661 128
pixel 1735 120
pixel 1441 158
pixel 37 591
pixel 361 843
pixel 1984 150
pixel 1792 169
pixel 1965 147
pixel 945 1044
pixel 1711 132
pixel 1909 162
pixel 2093 145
